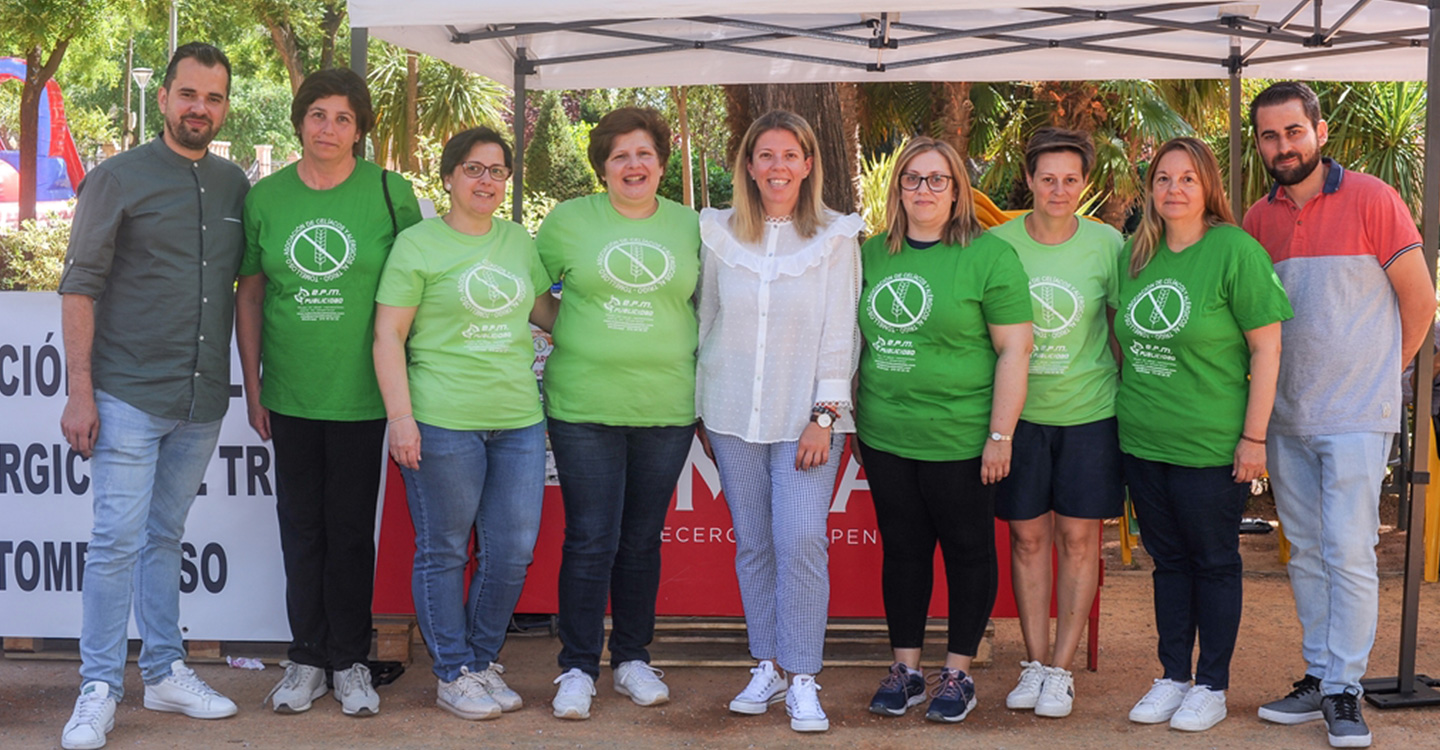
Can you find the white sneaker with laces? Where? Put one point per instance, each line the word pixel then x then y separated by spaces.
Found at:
pixel 300 686
pixel 92 719
pixel 1160 703
pixel 355 690
pixel 641 683
pixel 572 698
pixel 766 687
pixel 183 692
pixel 466 697
pixel 1027 689
pixel 802 702
pixel 508 699
pixel 1057 695
pixel 1202 708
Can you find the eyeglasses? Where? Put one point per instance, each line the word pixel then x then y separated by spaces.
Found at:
pixel 938 183
pixel 474 169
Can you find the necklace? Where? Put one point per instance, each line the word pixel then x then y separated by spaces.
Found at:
pixel 779 219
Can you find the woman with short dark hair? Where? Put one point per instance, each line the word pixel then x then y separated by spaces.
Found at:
pixel 453 353
pixel 620 397
pixel 317 235
pixel 1066 461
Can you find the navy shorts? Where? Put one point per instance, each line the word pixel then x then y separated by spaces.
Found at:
pixel 1073 470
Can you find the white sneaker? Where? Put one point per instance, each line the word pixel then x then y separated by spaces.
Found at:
pixel 93 717
pixel 1057 696
pixel 183 692
pixel 300 686
pixel 1202 708
pixel 356 691
pixel 641 682
pixel 466 697
pixel 766 687
pixel 1160 703
pixel 508 699
pixel 572 698
pixel 802 702
pixel 1027 690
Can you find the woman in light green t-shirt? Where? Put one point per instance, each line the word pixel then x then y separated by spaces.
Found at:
pixel 620 397
pixel 1066 461
pixel 453 354
pixel 1198 321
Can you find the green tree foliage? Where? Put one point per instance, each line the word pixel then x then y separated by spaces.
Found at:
pixel 450 100
pixel 554 164
pixel 259 113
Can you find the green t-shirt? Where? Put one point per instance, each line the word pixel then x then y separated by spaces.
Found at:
pixel 470 348
pixel 1072 370
pixel 626 335
pixel 322 252
pixel 927 371
pixel 1181 326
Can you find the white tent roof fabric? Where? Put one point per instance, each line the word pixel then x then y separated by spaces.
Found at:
pixel 672 42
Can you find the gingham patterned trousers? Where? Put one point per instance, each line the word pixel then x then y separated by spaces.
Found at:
pixel 781 555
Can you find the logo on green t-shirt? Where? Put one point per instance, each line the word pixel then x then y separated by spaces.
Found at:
pixel 320 250
pixel 490 291
pixel 637 266
pixel 1160 310
pixel 900 303
pixel 1058 306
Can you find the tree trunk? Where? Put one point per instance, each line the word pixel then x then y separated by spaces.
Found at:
pixel 822 104
pixel 409 156
pixel 687 174
pixel 36 76
pixel 330 28
pixel 955 115
pixel 284 38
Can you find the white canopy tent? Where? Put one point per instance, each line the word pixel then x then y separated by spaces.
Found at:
pixel 566 44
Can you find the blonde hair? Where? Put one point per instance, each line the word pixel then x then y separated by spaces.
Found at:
pixel 748 221
pixel 1212 187
pixel 962 228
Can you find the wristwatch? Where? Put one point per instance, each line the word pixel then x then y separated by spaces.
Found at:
pixel 824 416
pixel 997 437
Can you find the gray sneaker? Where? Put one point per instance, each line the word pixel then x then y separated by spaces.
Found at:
pixel 355 690
pixel 1343 722
pixel 1300 706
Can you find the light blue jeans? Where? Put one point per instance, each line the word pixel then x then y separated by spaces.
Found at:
pixel 491 481
pixel 1327 493
pixel 145 472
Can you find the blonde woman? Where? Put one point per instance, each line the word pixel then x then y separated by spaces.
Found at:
pixel 779 282
pixel 945 314
pixel 1199 329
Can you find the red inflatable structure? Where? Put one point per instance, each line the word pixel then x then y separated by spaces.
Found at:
pixel 57 170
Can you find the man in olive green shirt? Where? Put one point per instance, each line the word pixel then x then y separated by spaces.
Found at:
pixel 147 305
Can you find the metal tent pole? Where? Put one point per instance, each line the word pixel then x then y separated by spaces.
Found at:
pixel 523 67
pixel 1408 689
pixel 1237 199
pixel 359 50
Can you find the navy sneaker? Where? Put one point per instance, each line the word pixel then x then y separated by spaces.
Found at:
pixel 954 697
pixel 900 690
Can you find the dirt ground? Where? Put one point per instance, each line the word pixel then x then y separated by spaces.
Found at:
pixel 36 695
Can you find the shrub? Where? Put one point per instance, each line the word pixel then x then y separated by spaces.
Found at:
pixel 32 256
pixel 554 163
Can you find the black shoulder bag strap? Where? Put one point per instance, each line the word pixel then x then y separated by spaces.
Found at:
pixel 389 204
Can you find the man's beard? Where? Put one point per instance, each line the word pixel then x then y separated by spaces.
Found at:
pixel 189 137
pixel 1296 174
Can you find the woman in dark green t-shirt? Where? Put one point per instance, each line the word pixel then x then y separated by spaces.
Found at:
pixel 1198 321
pixel 317 234
pixel 945 315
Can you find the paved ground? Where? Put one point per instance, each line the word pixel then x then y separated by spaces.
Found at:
pixel 36 696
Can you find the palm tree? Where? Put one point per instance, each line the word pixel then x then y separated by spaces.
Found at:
pixel 448 101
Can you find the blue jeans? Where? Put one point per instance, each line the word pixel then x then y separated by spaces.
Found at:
pixel 1327 492
pixel 492 482
pixel 145 472
pixel 1190 525
pixel 617 483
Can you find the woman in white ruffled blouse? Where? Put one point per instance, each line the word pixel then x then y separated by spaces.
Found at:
pixel 779 286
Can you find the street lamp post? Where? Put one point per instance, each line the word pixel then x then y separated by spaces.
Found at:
pixel 142 78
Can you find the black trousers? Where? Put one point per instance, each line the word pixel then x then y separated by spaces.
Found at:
pixel 327 480
pixel 917 505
